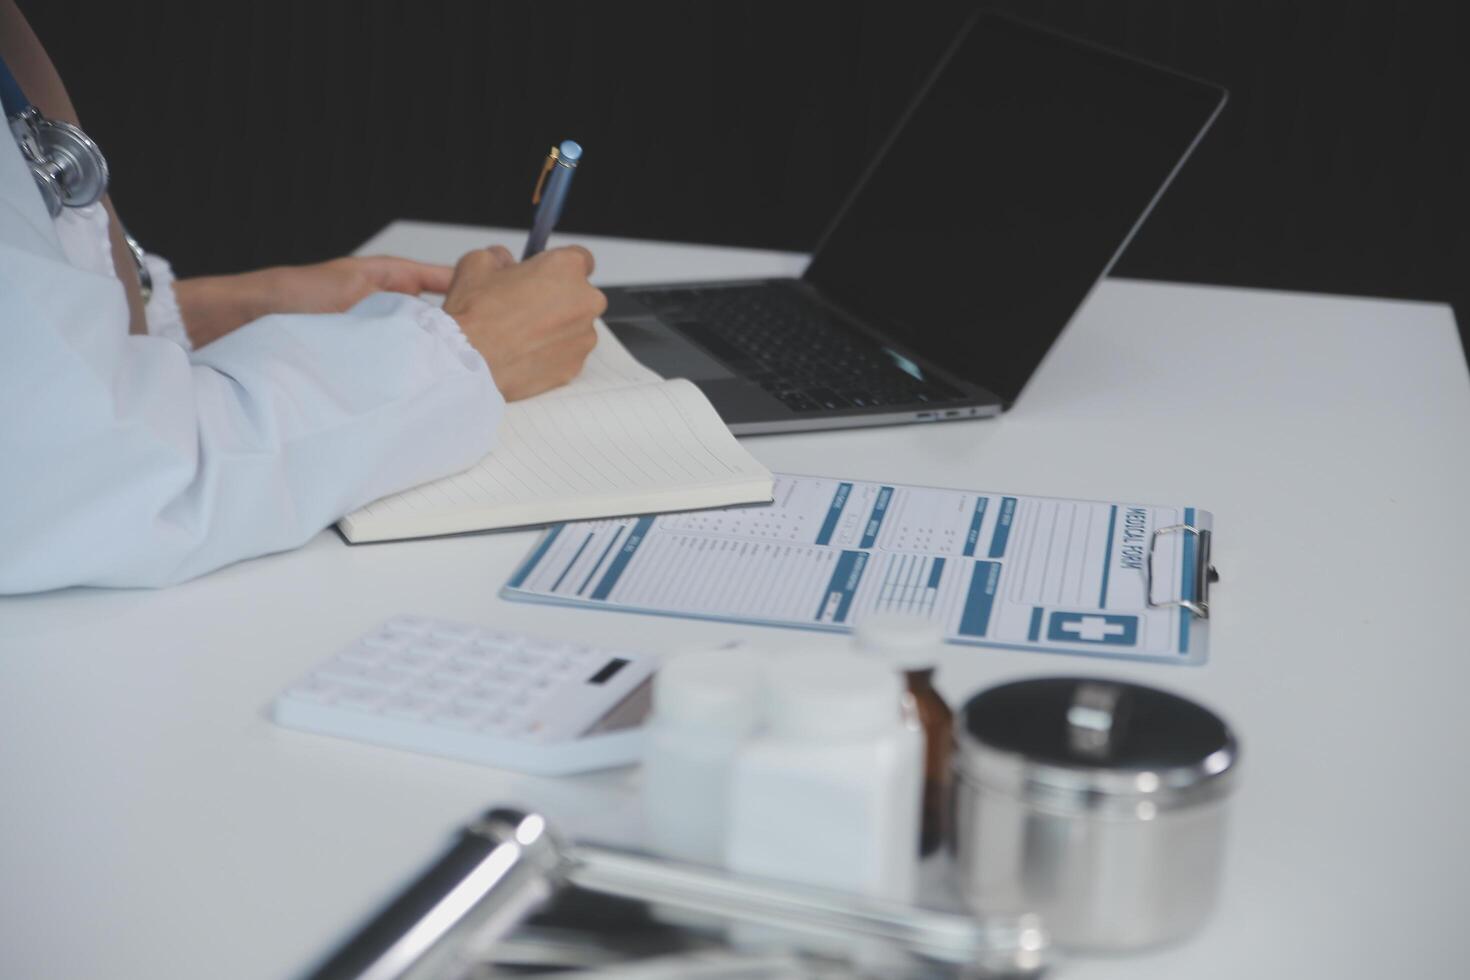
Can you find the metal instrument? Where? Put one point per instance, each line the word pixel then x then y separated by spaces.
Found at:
pixel 509 862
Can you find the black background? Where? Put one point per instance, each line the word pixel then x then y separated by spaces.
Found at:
pixel 247 134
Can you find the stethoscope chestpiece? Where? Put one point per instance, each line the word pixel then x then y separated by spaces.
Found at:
pixel 69 168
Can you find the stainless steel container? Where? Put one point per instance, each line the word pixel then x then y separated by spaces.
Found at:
pixel 1096 803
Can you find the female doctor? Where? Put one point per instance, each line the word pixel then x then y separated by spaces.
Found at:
pixel 143 443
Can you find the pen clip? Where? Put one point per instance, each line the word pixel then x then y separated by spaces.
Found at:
pixel 551 160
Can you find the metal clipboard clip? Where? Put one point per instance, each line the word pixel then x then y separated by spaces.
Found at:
pixel 1204 572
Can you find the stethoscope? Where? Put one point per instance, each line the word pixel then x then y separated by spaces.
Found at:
pixel 69 168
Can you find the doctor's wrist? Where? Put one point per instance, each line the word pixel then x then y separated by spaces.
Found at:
pixel 212 306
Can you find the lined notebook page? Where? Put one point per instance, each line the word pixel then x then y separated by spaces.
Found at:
pixel 577 454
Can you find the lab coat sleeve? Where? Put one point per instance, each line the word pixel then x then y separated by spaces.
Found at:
pixel 126 460
pixel 162 310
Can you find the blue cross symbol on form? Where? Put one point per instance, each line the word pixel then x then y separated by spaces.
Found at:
pixel 1094 629
pixel 1107 629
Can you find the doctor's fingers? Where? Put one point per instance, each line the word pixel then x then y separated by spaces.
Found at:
pixel 500 255
pixel 577 338
pixel 475 265
pixel 569 259
pixel 554 357
pixel 568 339
pixel 578 303
pixel 564 360
pixel 398 275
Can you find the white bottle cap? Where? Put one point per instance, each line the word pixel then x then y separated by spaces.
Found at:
pixel 831 696
pixel 711 690
pixel 904 641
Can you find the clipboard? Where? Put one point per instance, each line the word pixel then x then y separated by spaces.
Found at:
pixel 1196 598
pixel 1046 574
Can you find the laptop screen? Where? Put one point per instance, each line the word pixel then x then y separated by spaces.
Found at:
pixel 1004 195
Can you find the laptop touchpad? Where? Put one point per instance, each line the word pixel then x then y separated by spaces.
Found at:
pixel 664 352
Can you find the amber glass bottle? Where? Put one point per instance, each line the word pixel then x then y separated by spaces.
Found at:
pixel 938 722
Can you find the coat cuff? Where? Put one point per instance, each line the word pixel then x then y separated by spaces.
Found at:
pixel 162 310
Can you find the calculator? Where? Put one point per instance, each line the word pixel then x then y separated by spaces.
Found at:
pixel 480 695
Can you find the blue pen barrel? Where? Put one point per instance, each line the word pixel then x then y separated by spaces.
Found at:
pixel 553 197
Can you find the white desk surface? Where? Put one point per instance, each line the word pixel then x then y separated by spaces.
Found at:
pixel 154 823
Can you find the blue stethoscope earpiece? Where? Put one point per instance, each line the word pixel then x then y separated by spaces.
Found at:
pixel 69 168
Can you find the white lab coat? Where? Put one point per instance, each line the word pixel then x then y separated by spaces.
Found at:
pixel 132 461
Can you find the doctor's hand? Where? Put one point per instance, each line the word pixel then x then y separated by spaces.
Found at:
pixel 212 306
pixel 339 285
pixel 532 320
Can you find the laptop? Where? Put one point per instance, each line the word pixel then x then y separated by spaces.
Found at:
pixel 1005 192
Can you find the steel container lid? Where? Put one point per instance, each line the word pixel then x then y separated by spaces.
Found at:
pixel 1080 743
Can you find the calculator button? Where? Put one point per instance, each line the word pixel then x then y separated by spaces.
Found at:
pixel 375 647
pixel 433 646
pixel 568 651
pixel 385 682
pixel 456 669
pixel 410 660
pixel 358 696
pixel 342 670
pixel 312 689
pixel 488 657
pixel 474 660
pixel 461 716
pixel 385 640
pixel 588 658
pixel 364 653
pixel 434 687
pixel 408 624
pixel 386 677
pixel 408 706
pixel 483 698
pixel 470 653
pixel 508 676
pixel 454 632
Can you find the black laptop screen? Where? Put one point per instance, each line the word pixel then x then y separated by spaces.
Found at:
pixel 1008 191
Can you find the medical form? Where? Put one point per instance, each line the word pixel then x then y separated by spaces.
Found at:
pixel 996 569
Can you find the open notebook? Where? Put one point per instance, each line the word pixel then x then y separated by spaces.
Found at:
pixel 618 440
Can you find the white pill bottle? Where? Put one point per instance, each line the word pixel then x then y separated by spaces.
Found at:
pixel 706 705
pixel 829 792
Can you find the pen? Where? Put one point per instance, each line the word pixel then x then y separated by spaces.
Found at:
pixel 551 193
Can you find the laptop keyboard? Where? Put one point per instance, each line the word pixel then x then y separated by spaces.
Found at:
pixel 792 347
